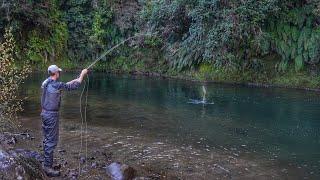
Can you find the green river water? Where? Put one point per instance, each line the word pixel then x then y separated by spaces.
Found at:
pixel 281 126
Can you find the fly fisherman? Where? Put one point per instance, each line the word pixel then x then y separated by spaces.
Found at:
pixel 50 103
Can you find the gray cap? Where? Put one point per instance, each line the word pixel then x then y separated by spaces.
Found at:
pixel 53 69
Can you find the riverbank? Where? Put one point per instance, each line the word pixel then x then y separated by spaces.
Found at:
pixel 303 80
pixel 188 77
pixel 151 159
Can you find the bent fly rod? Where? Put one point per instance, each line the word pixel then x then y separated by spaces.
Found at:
pixel 114 47
pixel 86 87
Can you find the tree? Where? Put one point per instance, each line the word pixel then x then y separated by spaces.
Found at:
pixel 11 77
pixel 39 27
pixel 91 28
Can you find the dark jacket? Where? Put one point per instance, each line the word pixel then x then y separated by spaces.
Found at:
pixel 51 93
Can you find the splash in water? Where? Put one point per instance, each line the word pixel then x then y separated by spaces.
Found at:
pixel 204 99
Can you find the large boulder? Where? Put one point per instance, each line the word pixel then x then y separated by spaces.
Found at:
pixel 18 163
pixel 14 165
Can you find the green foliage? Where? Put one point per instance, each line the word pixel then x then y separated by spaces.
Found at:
pixel 232 34
pixel 59 38
pixel 296 38
pixel 57 30
pixel 41 49
pixel 36 48
pixel 217 32
pixel 11 77
pixel 206 71
pixel 217 39
pixel 90 27
pixel 38 26
pixel 153 42
pixel 103 31
pixel 124 64
pixel 292 78
pixel 79 21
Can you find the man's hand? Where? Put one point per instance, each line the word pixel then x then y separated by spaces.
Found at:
pixel 80 78
pixel 84 72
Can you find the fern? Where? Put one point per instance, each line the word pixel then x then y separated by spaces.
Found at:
pixel 298 63
pixel 295 39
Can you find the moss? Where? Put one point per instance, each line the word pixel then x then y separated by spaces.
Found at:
pixel 293 79
pixel 32 168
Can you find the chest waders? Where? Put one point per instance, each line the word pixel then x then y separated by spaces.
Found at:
pixel 50 102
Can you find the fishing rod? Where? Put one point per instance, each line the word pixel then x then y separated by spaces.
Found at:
pixel 115 47
pixel 85 90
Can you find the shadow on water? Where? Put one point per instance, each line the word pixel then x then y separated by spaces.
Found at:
pixel 279 125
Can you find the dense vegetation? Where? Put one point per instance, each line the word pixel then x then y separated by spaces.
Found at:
pixel 10 79
pixel 265 41
pixel 233 33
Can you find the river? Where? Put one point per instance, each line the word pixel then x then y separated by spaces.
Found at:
pixel 277 129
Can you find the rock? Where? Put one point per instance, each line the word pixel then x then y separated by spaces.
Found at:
pixel 7 140
pixel 61 151
pixel 114 171
pixel 5 160
pixel 176 165
pixel 94 165
pixel 82 160
pixel 20 135
pixel 64 163
pixel 220 170
pixel 108 156
pixel 72 174
pixel 119 171
pixel 57 166
pixel 12 141
pixel 26 136
pixel 128 172
pixel 17 166
pixel 142 178
pixel 19 171
pixel 29 154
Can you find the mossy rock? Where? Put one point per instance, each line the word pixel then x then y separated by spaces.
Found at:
pixel 15 166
